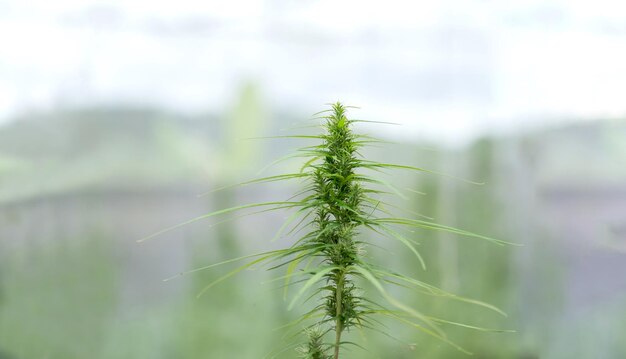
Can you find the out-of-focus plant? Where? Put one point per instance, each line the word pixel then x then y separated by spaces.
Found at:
pixel 340 199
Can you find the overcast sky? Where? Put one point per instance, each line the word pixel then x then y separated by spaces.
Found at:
pixel 446 69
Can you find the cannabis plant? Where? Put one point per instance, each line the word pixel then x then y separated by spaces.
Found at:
pixel 340 199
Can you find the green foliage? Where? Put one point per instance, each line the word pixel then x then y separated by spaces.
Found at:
pixel 315 347
pixel 341 199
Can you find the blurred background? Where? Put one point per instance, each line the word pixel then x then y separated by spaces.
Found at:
pixel 115 116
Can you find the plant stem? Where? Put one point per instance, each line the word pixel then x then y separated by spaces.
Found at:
pixel 338 301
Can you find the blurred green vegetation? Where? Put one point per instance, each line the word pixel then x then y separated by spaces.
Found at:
pixel 57 298
pixel 66 290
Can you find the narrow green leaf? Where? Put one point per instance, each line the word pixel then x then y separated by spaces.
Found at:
pixel 279 205
pixel 232 273
pixel 407 243
pixel 320 273
pixel 275 178
pixel 370 277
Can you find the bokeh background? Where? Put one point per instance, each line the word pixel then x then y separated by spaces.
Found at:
pixel 115 116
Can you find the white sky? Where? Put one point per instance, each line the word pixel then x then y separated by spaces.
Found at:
pixel 447 69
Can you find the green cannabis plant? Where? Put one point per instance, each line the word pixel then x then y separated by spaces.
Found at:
pixel 340 200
